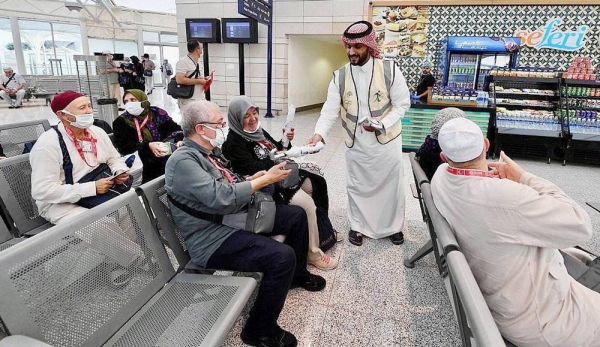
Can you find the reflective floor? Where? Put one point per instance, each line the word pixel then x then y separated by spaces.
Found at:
pixel 371 299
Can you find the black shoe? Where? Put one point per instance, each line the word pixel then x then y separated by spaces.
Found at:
pixel 11 106
pixel 397 238
pixel 313 283
pixel 17 106
pixel 281 339
pixel 150 92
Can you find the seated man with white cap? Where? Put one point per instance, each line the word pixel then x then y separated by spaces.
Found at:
pixel 88 146
pixel 510 225
pixel 12 84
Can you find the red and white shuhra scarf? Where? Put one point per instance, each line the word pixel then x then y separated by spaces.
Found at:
pixel 362 32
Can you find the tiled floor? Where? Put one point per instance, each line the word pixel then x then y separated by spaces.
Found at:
pixel 371 299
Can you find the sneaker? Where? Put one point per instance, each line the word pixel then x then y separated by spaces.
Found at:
pixel 313 283
pixel 280 339
pixel 324 263
pixel 397 238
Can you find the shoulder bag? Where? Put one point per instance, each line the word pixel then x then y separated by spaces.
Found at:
pixel 102 171
pixel 182 91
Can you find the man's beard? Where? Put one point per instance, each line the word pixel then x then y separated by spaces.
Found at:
pixel 361 59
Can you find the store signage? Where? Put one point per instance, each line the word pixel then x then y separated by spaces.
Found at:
pixel 483 43
pixel 549 36
pixel 256 9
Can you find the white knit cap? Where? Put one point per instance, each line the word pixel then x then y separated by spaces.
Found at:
pixel 461 140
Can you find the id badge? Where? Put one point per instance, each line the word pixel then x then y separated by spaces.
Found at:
pixel 86 146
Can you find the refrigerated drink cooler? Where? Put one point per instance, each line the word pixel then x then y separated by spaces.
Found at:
pixel 467 60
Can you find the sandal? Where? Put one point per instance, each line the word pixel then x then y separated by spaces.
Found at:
pixel 338 236
pixel 355 238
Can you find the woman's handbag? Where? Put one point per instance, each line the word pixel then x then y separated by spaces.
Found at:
pixel 182 91
pixel 148 73
pixel 293 179
pixel 102 171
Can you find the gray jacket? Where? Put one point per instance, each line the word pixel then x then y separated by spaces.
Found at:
pixel 191 179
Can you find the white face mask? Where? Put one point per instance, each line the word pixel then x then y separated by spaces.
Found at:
pixel 221 136
pixel 253 131
pixel 134 108
pixel 82 121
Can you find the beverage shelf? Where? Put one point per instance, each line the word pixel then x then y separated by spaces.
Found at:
pixel 595 83
pixel 529 132
pixel 582 97
pixel 514 79
pixel 527 94
pixel 586 137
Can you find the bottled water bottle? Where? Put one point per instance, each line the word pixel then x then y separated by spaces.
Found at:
pixel 486 99
pixel 479 99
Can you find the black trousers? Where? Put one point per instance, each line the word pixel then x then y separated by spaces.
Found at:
pixel 280 263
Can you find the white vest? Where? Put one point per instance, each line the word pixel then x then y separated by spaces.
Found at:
pixel 380 103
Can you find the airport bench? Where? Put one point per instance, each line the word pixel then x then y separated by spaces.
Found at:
pixel 104 278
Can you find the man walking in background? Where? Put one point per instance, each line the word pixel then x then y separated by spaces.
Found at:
pixel 371 96
pixel 148 68
pixel 167 71
pixel 189 72
pixel 112 73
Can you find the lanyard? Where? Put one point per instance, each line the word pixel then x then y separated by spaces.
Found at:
pixel 139 126
pixel 225 172
pixel 80 150
pixel 267 144
pixel 466 172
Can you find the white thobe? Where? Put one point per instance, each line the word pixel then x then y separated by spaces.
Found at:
pixel 374 171
pixel 54 198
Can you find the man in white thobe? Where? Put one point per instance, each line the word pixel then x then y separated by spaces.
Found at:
pixel 371 96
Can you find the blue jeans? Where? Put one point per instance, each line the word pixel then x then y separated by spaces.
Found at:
pixel 280 263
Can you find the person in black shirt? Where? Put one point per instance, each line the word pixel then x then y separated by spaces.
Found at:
pixel 427 80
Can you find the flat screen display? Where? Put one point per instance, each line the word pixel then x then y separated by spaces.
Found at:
pixel 239 30
pixel 205 30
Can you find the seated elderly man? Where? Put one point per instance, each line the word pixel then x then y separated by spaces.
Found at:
pixel 13 84
pixel 202 190
pixel 88 146
pixel 510 224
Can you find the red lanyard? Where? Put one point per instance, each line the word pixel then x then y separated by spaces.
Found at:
pixel 266 144
pixel 225 172
pixel 466 172
pixel 139 126
pixel 78 146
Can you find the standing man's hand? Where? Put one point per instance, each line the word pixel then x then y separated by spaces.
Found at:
pixel 314 139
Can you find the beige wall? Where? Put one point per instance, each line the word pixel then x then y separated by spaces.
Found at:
pixel 311 64
pixel 310 17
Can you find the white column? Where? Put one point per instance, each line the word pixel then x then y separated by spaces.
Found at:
pixel 14 26
pixel 140 42
pixel 85 45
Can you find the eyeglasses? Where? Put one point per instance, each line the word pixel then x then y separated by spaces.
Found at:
pixel 222 125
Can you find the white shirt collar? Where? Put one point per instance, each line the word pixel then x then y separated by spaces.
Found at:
pixel 367 68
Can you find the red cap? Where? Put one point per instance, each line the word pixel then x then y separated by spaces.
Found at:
pixel 62 100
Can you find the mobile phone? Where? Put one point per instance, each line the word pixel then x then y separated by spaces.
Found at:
pixel 118 175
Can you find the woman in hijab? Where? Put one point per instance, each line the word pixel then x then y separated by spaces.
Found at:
pixel 136 74
pixel 428 154
pixel 247 148
pixel 148 130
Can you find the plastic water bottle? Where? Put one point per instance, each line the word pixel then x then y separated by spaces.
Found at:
pixel 479 99
pixel 486 99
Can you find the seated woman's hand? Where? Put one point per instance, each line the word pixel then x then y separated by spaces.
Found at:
pixel 103 185
pixel 157 149
pixel 289 135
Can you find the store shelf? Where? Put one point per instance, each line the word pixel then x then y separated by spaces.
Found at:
pixel 582 97
pixel 595 83
pixel 511 79
pixel 528 94
pixel 586 137
pixel 584 108
pixel 529 132
pixel 533 107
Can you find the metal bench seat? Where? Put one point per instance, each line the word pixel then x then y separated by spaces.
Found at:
pixel 104 278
